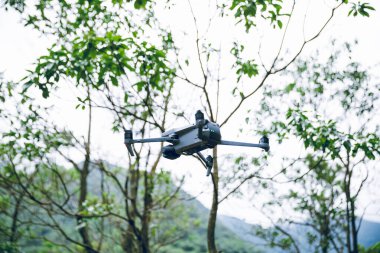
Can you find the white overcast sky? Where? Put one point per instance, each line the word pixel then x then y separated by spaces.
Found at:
pixel 19 47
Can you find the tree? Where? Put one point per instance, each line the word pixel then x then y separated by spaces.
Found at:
pixel 330 110
pixel 82 205
pixel 99 61
pixel 246 70
pixel 106 48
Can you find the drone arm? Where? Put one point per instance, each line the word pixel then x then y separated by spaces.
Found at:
pixel 264 146
pixel 160 139
pixel 128 140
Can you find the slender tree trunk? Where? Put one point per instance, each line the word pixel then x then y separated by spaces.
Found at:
pixel 131 234
pixel 148 200
pixel 13 236
pixel 128 240
pixel 148 204
pixel 348 227
pixel 325 234
pixel 101 237
pixel 214 207
pixel 348 224
pixel 354 232
pixel 83 230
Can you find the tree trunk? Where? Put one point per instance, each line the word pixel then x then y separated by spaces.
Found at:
pixel 354 232
pixel 13 236
pixel 131 234
pixel 83 230
pixel 348 226
pixel 147 213
pixel 214 207
pixel 325 234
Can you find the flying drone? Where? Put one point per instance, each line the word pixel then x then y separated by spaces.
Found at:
pixel 191 140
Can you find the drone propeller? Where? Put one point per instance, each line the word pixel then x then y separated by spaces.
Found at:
pixel 199 122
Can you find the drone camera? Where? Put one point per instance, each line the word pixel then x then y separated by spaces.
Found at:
pixel 169 152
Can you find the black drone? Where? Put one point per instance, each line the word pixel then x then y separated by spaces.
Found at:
pixel 191 140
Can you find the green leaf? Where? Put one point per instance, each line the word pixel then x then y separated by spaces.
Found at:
pixel 114 81
pixel 277 7
pixel 367 6
pixel 140 85
pixel 279 23
pixel 363 12
pixel 140 4
pixel 290 87
pixel 347 145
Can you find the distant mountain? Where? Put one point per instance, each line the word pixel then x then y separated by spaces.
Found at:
pixel 369 233
pixel 245 232
pixel 195 241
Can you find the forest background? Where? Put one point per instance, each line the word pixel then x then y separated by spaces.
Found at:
pixel 283 69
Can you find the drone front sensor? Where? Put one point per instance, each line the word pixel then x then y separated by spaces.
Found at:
pixel 191 140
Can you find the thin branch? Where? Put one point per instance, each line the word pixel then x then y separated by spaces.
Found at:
pixel 309 40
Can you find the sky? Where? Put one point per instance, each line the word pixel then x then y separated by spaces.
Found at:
pixel 19 47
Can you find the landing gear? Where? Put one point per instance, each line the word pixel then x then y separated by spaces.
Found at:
pixel 208 162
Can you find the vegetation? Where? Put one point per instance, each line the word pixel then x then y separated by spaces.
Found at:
pixel 331 111
pixel 120 59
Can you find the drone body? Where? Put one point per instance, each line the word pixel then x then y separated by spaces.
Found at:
pixel 191 140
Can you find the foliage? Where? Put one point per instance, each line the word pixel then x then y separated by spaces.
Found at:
pixel 373 249
pixel 97 61
pixel 248 10
pixel 29 147
pixel 330 110
pixel 360 8
pixel 117 57
pixel 101 45
pixel 272 10
pixel 20 5
pixel 243 67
